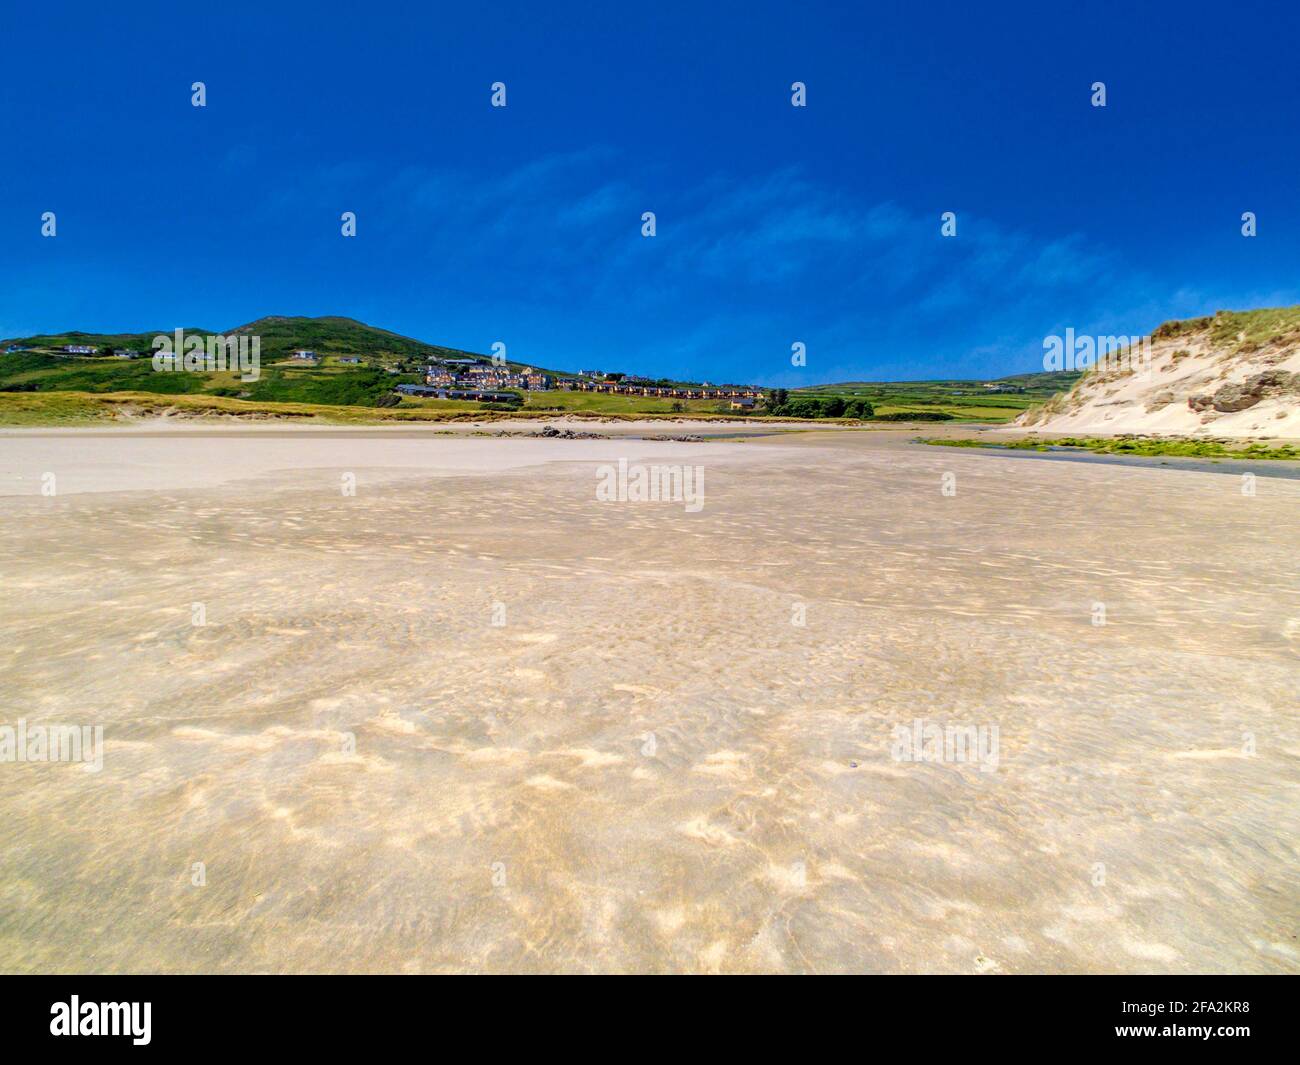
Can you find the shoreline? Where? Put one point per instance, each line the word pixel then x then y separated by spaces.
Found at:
pixel 1285 469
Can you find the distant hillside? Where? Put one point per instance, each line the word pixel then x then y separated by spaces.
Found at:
pixel 1042 383
pixel 117 341
pixel 1236 374
pixel 280 334
pixel 982 400
pixel 339 336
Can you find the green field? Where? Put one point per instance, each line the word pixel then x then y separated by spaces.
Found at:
pixel 964 400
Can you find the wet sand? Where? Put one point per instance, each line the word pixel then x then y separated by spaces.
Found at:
pixel 472 719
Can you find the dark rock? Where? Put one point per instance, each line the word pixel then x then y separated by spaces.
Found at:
pixel 1234 398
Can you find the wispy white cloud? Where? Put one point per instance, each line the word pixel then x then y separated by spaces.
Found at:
pixel 741 268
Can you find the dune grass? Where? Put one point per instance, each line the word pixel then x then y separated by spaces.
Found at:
pixel 1145 446
pixel 18 409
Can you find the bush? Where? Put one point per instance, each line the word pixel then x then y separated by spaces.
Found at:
pixel 816 407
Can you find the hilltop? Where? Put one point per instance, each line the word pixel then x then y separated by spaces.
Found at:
pixel 340 336
pixel 1232 374
pixel 280 334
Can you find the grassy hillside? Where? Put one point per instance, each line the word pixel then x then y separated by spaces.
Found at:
pixel 341 336
pixel 329 382
pixel 279 335
pixel 117 341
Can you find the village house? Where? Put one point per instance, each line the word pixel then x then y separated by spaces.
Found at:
pixel 304 356
pixel 535 380
pixel 79 349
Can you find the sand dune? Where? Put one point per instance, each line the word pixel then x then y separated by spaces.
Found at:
pixel 1196 379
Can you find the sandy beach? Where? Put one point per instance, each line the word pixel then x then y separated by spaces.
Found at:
pixel 403 700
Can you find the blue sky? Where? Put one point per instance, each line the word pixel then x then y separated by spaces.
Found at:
pixel 775 224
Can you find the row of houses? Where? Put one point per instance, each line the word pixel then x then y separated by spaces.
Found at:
pixel 90 349
pixel 78 349
pixel 481 395
pixel 306 355
pixel 635 388
pixel 477 376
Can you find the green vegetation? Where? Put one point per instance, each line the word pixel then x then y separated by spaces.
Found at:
pixel 1138 445
pixel 50 408
pixel 780 404
pixel 606 403
pixel 958 400
pixel 45 408
pixel 1250 330
pixel 1239 330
